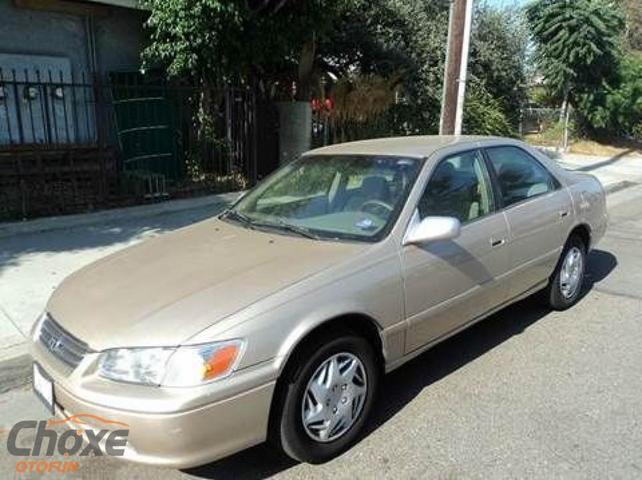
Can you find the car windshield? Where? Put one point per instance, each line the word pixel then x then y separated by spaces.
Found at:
pixel 344 197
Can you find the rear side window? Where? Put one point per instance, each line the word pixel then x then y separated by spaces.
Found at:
pixel 519 175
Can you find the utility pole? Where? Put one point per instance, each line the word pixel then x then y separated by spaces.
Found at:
pixel 456 68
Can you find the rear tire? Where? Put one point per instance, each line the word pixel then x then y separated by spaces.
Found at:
pixel 326 398
pixel 565 286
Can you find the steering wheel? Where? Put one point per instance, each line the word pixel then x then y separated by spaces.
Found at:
pixel 374 205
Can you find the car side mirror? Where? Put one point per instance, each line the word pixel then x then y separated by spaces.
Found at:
pixel 431 229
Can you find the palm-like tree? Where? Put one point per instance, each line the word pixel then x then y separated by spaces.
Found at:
pixel 577 43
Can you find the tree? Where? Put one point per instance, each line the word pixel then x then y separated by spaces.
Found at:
pixel 272 43
pixel 407 39
pixel 484 114
pixel 577 44
pixel 615 110
pixel 497 68
pixel 633 12
pixel 219 42
pixel 404 38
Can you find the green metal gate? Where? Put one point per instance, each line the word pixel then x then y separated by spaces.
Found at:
pixel 146 123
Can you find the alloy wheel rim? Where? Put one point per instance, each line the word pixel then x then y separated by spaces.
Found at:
pixel 572 272
pixel 334 397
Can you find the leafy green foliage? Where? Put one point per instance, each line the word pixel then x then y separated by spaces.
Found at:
pixel 543 97
pixel 577 42
pixel 407 38
pixel 484 114
pixel 615 110
pixel 234 41
pixel 497 61
pixel 389 38
pixel 273 43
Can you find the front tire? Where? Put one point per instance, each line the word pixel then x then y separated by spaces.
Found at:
pixel 565 286
pixel 327 398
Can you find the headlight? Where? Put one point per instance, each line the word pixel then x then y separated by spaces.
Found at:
pixel 135 365
pixel 190 366
pixel 172 367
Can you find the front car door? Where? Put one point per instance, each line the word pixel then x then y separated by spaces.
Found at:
pixel 449 283
pixel 536 208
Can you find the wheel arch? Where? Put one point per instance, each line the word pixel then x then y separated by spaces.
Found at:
pixel 582 230
pixel 359 323
pixel 355 322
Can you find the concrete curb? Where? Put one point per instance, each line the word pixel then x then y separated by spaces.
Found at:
pixel 104 216
pixel 15 372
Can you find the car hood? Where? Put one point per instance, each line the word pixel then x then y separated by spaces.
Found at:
pixel 164 291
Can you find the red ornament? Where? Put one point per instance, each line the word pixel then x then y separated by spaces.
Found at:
pixel 316 104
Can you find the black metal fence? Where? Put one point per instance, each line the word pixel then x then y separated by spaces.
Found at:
pixel 327 130
pixel 151 123
pixel 141 131
pixel 46 108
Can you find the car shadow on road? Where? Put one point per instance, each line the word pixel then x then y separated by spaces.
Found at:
pixel 405 383
pixel 607 162
pixel 599 266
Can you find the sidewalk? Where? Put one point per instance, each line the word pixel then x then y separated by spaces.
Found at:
pixel 615 173
pixel 36 255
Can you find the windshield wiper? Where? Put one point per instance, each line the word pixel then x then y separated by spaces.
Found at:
pixel 279 224
pixel 239 217
pixel 302 231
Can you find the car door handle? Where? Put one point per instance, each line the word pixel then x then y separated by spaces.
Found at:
pixel 497 242
pixel 564 213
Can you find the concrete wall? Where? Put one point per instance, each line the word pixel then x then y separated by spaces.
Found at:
pixel 34 42
pixel 43 33
pixel 119 40
pixel 119 36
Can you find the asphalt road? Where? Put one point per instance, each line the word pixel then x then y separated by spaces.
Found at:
pixel 527 393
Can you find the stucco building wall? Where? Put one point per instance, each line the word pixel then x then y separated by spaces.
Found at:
pixel 118 36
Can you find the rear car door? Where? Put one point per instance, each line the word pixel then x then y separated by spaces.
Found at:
pixel 536 207
pixel 448 283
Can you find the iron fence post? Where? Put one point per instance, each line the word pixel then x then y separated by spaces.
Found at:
pixel 16 97
pixel 99 117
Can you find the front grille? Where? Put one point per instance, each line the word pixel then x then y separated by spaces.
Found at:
pixel 61 344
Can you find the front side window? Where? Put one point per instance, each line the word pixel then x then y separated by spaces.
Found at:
pixel 351 197
pixel 519 175
pixel 459 187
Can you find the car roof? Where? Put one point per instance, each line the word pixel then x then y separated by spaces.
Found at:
pixel 411 146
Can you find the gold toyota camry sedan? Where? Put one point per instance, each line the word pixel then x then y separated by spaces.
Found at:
pixel 276 319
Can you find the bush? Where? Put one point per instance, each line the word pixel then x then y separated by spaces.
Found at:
pixel 483 114
pixel 614 110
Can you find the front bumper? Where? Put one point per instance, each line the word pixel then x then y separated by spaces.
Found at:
pixel 184 439
pixel 180 429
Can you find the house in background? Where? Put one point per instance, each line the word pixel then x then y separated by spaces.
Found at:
pixel 81 127
pixel 90 36
pixel 75 111
pixel 61 42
